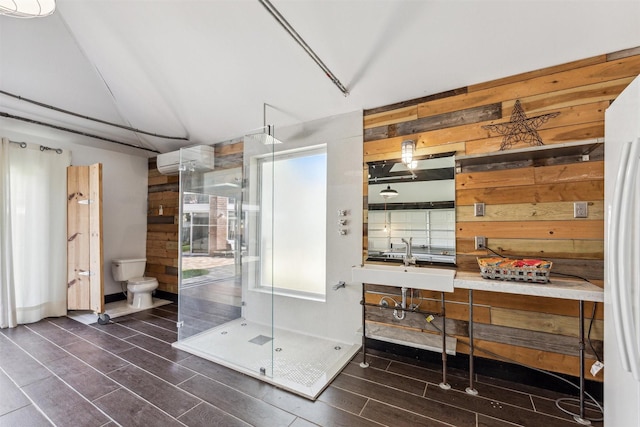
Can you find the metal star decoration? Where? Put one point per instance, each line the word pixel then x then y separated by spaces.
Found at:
pixel 520 128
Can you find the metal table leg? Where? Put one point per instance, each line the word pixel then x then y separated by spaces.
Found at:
pixel 581 418
pixel 364 363
pixel 444 384
pixel 470 389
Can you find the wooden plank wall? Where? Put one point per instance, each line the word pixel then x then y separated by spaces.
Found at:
pixel 162 230
pixel 529 207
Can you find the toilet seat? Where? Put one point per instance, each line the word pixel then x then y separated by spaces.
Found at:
pixel 141 280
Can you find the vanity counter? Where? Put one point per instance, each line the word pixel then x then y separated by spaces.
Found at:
pixel 571 289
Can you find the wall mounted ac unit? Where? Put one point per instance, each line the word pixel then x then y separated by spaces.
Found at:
pixel 197 158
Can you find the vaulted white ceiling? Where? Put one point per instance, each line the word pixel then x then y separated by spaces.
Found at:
pixel 205 69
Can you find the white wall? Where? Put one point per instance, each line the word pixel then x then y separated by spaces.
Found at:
pixel 124 185
pixel 124 205
pixel 339 317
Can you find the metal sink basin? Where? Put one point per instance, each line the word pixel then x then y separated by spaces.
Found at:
pixel 425 278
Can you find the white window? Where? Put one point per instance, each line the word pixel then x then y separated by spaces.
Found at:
pixel 293 200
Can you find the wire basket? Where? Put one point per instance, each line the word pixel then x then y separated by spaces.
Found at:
pixel 520 270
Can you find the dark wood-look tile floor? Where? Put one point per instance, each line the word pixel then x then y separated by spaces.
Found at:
pixel 64 373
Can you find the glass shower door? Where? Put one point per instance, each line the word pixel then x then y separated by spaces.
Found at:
pixel 220 250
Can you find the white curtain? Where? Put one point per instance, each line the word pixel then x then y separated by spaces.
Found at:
pixel 33 233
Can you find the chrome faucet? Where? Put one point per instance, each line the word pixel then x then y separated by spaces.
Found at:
pixel 408 256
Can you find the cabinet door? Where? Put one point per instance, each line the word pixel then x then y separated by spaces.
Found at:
pixel 85 287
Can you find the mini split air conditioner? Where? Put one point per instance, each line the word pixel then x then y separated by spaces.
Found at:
pixel 197 158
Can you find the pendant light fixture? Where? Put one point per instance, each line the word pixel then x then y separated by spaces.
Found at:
pixel 408 149
pixel 27 8
pixel 387 193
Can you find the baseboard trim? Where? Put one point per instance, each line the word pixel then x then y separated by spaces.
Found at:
pixel 119 296
pixel 169 296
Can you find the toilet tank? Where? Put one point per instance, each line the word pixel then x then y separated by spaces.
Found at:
pixel 125 269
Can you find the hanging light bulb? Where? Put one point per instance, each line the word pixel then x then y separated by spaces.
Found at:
pixel 387 193
pixel 27 8
pixel 408 149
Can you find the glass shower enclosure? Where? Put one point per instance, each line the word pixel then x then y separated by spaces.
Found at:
pixel 228 259
pixel 217 249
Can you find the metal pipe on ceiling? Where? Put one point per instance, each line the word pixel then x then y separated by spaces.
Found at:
pixel 66 129
pixel 292 32
pixel 82 116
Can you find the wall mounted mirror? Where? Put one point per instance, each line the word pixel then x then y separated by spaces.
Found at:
pixel 416 204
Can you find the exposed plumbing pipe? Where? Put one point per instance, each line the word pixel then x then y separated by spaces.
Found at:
pixel 289 29
pixel 36 122
pixel 403 305
pixel 82 116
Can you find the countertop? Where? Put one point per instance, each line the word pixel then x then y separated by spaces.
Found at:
pixel 571 289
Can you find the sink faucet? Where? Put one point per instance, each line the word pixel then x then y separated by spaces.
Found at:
pixel 408 256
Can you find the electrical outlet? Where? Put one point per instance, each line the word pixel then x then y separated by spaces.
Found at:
pixel 580 210
pixel 478 209
pixel 481 242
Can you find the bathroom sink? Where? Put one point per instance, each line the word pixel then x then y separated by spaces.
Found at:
pixel 425 278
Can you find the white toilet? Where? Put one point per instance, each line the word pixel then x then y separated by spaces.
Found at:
pixel 139 288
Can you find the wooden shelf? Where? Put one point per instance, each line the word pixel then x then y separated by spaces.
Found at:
pixel 521 157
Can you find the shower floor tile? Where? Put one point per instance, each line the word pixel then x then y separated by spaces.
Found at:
pixel 299 363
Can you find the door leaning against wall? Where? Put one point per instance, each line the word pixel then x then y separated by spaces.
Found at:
pixel 85 286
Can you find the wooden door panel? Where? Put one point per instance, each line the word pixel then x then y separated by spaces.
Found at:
pixel 84 238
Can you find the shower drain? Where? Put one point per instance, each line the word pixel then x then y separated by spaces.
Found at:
pixel 278 349
pixel 337 347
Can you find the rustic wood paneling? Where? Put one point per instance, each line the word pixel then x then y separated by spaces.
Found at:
pixel 544 322
pixel 478 114
pixel 568 191
pixel 597 92
pixel 550 342
pixel 538 73
pixel 623 53
pixel 578 132
pixel 611 70
pixel 538 248
pixel 416 321
pixel 585 229
pixel 551 361
pixel 586 171
pixel 416 101
pixel 455 118
pixel 528 202
pixel 551 211
pixel 394 116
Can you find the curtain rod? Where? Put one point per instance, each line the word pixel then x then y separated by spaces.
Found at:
pixel 57 150
pixel 23 144
pixel 36 122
